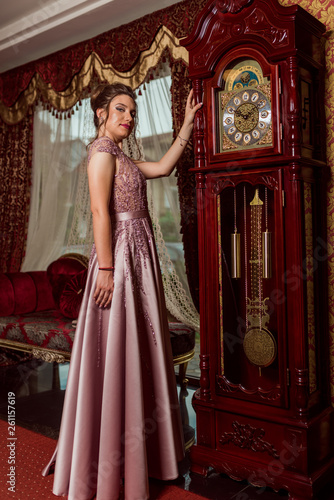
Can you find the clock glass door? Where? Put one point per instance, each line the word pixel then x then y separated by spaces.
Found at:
pixel 251 289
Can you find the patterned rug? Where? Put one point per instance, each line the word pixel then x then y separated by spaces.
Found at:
pixel 25 454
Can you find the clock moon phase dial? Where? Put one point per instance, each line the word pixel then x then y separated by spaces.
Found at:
pixel 247 117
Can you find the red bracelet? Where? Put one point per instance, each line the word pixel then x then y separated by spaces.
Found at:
pixel 106 269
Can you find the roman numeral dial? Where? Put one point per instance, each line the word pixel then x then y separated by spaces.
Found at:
pixel 247 118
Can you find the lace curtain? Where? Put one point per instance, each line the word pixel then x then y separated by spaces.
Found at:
pixel 58 156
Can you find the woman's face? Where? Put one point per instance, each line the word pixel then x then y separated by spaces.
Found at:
pixel 120 122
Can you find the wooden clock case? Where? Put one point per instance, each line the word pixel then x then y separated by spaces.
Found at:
pixel 271 425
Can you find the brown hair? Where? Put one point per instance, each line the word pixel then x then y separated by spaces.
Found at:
pixel 102 96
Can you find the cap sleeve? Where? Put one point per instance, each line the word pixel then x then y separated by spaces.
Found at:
pixel 103 145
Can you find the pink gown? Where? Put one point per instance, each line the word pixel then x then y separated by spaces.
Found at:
pixel 121 416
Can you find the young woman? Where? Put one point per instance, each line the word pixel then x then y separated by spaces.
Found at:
pixel 121 417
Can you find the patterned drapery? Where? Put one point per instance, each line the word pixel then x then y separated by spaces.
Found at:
pixel 15 177
pixel 94 70
pixel 61 78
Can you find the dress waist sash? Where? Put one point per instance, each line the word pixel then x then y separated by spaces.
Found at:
pixel 138 214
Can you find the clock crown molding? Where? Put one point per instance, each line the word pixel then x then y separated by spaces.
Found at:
pixel 232 6
pixel 227 24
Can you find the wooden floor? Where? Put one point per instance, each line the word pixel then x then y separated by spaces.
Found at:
pixel 39 389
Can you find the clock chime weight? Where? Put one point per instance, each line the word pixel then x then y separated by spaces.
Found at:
pixel 235 244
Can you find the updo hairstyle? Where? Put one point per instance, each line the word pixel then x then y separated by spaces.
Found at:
pixel 102 96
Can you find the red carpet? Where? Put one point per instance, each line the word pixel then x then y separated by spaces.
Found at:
pixel 29 453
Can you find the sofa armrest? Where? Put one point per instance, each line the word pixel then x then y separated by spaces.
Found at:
pixel 21 293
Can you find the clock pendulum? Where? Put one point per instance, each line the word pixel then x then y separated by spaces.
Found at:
pixel 259 343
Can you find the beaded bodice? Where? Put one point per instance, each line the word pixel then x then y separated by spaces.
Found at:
pixel 129 186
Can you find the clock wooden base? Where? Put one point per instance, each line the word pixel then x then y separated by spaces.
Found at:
pixel 282 454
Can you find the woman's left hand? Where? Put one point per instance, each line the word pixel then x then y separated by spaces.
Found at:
pixel 191 109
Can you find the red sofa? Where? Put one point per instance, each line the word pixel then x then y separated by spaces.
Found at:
pixel 38 311
pixel 34 315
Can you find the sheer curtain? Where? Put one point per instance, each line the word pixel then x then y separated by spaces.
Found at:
pixel 154 109
pixel 59 151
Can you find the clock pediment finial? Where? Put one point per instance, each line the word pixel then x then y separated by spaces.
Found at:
pixel 232 6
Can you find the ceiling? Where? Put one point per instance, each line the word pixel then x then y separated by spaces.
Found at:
pixel 30 30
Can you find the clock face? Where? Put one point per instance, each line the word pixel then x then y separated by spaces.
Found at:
pixel 246 119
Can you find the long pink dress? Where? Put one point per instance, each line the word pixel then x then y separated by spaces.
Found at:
pixel 121 415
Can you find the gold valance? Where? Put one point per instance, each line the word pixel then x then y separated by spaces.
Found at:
pixel 93 65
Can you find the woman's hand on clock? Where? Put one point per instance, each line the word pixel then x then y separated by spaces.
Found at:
pixel 190 110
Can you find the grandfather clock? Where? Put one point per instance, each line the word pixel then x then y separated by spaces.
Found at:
pixel 263 408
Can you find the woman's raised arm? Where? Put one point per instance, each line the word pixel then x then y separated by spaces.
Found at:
pixel 165 166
